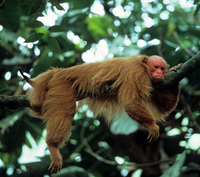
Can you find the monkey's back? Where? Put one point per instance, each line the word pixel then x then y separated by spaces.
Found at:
pixel 128 75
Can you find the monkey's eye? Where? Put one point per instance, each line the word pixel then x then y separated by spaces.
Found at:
pixel 156 67
pixel 162 68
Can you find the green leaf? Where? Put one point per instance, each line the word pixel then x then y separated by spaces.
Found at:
pixel 34 37
pixel 39 6
pixel 35 7
pixel 34 24
pixel 53 44
pixel 57 28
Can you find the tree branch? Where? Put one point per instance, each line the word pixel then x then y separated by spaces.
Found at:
pixel 14 102
pixel 170 80
pixel 189 67
pixel 176 36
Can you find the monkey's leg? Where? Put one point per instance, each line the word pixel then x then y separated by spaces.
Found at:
pixel 58 109
pixel 55 140
pixel 139 112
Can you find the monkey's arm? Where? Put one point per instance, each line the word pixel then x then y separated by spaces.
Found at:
pixel 165 100
pixel 139 112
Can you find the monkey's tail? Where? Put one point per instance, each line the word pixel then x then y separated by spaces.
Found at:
pixel 25 77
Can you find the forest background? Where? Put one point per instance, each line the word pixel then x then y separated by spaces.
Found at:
pixel 36 35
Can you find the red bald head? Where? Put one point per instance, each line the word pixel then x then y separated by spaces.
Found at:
pixel 157 66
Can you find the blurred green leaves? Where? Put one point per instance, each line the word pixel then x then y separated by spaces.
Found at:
pixel 100 26
pixel 78 32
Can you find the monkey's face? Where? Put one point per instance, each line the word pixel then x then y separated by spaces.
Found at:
pixel 157 67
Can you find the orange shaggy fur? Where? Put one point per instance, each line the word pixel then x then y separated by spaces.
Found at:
pixel 54 94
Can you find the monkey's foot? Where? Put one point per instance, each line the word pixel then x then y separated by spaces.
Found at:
pixel 176 68
pixel 153 132
pixel 55 166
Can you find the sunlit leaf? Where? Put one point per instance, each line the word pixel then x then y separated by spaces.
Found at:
pixel 170 29
pixel 56 28
pixel 34 37
pixel 99 25
pixel 123 125
pixel 53 44
pixel 59 7
pixel 34 24
pixel 73 13
pixel 10 119
pixel 175 169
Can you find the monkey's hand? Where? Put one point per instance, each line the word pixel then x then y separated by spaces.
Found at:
pixel 56 165
pixel 176 68
pixel 153 132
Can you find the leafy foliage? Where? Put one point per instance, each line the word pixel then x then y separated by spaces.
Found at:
pixel 99 30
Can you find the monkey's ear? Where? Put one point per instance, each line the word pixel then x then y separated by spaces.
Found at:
pixel 145 60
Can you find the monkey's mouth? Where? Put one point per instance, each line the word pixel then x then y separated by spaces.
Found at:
pixel 158 78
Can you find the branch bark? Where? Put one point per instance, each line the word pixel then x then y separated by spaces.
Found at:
pixel 14 102
pixel 170 80
pixel 189 67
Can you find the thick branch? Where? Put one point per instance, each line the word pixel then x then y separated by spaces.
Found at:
pixel 14 102
pixel 171 79
pixel 189 67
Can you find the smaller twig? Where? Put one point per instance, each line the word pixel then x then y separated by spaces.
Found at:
pixel 100 158
pixel 91 152
pixel 25 77
pixel 88 139
pixel 144 165
pixel 113 162
pixel 188 108
pixel 2 2
pixel 189 52
pixel 160 46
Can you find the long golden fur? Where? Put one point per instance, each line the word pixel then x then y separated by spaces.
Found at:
pixel 54 94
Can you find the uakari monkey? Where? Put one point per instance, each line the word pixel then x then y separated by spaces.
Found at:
pixel 54 95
